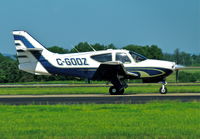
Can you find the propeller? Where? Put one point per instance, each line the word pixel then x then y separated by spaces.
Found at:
pixel 177 68
pixel 177 74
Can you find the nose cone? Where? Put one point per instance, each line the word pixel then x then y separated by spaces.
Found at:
pixel 178 67
pixel 168 65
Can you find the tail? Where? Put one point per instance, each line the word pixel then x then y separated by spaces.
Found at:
pixel 30 53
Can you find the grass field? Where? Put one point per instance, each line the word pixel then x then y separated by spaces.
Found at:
pixel 138 88
pixel 153 120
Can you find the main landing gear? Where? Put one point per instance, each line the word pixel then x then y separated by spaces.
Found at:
pixel 118 87
pixel 163 89
pixel 114 91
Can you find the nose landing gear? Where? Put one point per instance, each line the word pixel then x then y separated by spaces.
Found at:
pixel 163 89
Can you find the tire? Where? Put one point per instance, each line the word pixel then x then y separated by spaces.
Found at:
pixel 121 92
pixel 163 90
pixel 115 91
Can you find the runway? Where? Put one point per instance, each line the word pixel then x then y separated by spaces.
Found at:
pixel 95 98
pixel 87 85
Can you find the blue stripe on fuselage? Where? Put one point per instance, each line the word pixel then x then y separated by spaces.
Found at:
pixel 79 72
pixel 24 40
pixel 152 71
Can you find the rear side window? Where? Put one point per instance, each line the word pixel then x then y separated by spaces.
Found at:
pixel 102 57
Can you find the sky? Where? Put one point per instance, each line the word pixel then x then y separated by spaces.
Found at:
pixel 169 24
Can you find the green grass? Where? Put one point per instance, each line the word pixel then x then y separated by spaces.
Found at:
pixel 153 120
pixel 149 88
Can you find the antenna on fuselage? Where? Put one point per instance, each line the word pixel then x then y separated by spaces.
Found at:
pixel 91 47
pixel 76 49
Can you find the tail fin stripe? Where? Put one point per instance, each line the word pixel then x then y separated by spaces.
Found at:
pixel 17 44
pixel 24 40
pixel 20 50
pixel 22 56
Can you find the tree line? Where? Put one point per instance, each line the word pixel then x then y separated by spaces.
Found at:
pixel 10 73
pixel 151 52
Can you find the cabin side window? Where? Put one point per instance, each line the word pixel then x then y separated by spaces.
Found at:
pixel 123 58
pixel 102 57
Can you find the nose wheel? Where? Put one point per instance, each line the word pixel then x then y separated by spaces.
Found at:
pixel 163 89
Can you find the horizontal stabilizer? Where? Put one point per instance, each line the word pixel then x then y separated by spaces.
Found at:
pixel 34 49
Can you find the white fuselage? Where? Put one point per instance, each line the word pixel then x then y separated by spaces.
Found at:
pixel 36 59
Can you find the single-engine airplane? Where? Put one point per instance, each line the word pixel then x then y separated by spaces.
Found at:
pixel 115 66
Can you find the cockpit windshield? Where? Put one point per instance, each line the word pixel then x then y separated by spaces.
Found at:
pixel 137 57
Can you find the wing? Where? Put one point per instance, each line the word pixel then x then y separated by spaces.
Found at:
pixel 110 70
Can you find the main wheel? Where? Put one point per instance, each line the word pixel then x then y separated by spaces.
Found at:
pixel 115 91
pixel 163 90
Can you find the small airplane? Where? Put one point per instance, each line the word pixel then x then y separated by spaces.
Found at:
pixel 115 66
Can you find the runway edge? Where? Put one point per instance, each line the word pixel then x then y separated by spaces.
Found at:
pixel 94 99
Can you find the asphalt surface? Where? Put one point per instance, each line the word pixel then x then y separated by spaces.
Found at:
pixel 95 98
pixel 86 85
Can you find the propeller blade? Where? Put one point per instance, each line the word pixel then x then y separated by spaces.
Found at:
pixel 177 68
pixel 177 74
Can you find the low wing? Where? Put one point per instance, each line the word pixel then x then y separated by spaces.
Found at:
pixel 109 70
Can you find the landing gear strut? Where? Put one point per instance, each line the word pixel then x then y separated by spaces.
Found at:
pixel 163 89
pixel 119 84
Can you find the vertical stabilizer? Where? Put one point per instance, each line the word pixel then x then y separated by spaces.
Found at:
pixel 28 52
